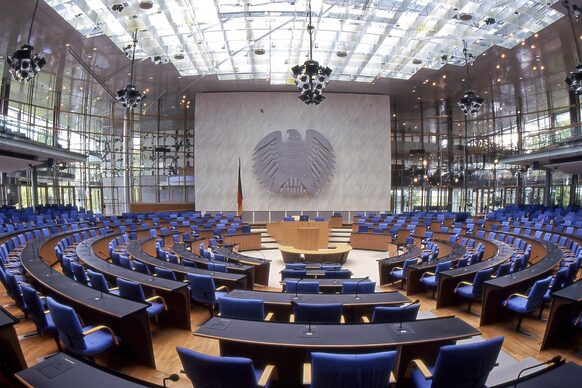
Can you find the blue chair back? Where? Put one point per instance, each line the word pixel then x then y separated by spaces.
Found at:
pixel 165 273
pixel 217 267
pixel 302 286
pixel 295 266
pixel 370 370
pixel 35 307
pixel 140 267
pixel 535 297
pixel 480 278
pixel 202 288
pixel 68 325
pixel 559 280
pixel 293 273
pixel 365 287
pixel 130 290
pixel 389 314
pixel 79 273
pixel 503 270
pixel 98 281
pixel 317 313
pixel 466 365
pixel 251 309
pixel 338 274
pixel 207 371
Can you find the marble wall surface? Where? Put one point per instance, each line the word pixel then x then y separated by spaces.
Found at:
pixel 228 126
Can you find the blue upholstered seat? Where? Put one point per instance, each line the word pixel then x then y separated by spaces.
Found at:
pixel 302 286
pixel 98 282
pixel 251 309
pixel 472 291
pixel 431 279
pixel 389 314
pixel 165 273
pixel 370 370
pixel 134 291
pixel 317 313
pixel 526 304
pixel 203 290
pixel 461 366
pixel 364 287
pixel 207 371
pixel 86 341
pixel 399 273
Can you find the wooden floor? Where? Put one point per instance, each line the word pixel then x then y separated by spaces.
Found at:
pixel 165 341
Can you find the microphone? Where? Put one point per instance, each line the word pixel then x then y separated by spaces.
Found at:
pixel 173 377
pixel 358 285
pixel 400 329
pixel 554 360
pixel 297 288
pixel 263 255
pixel 309 332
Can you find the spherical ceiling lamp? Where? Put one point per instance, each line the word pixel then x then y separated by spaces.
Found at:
pixel 574 80
pixel 129 96
pixel 24 63
pixel 471 103
pixel 310 78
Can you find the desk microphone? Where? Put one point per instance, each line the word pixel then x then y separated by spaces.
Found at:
pixel 358 286
pixel 308 332
pixel 558 360
pixel 403 330
pixel 297 288
pixel 263 255
pixel 173 377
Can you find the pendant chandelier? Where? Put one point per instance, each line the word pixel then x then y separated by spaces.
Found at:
pixel 310 78
pixel 471 102
pixel 129 96
pixel 24 63
pixel 574 80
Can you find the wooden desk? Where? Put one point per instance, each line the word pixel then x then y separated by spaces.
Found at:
pixel 231 280
pixel 11 357
pixel 307 238
pixel 565 307
pixel 497 290
pixel 287 346
pixel 127 318
pixel 371 241
pixel 414 272
pixel 245 241
pixel 448 280
pixel 175 293
pixel 336 253
pixel 65 370
pixel 336 222
pixel 280 303
pixel 287 232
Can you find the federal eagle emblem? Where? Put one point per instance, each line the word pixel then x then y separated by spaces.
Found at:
pixel 294 167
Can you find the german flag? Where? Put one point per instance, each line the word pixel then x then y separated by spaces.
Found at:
pixel 239 195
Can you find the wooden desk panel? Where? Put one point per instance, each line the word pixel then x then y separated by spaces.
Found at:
pixel 287 233
pixel 336 222
pixel 370 241
pixel 245 242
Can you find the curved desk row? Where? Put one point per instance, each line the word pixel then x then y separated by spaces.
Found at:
pixel 326 285
pixel 414 272
pixel 235 267
pixel 288 345
pixel 280 303
pixel 499 289
pixel 448 280
pixel 262 265
pixel 231 280
pixel 386 265
pixel 174 293
pixel 128 319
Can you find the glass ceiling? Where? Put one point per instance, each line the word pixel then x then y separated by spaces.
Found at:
pixel 361 40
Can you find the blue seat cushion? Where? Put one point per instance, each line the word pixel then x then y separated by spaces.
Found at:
pixel 517 304
pixel 398 274
pixel 155 308
pixel 466 292
pixel 429 281
pixel 50 324
pixel 96 342
pixel 419 380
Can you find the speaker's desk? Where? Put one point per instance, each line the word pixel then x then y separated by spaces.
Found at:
pixel 335 253
pixel 288 346
pixel 289 233
pixel 565 308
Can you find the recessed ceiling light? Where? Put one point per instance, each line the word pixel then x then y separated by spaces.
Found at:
pixel 179 56
pixel 416 61
pixel 341 53
pixel 465 17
